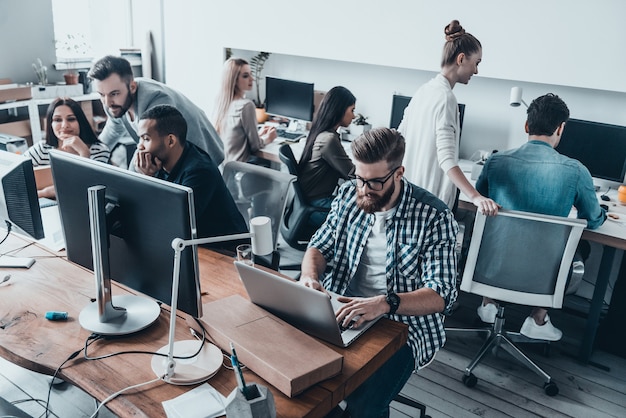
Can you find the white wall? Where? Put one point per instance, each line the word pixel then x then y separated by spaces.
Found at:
pixel 377 48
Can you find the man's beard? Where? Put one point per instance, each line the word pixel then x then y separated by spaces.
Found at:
pixel 377 202
pixel 119 111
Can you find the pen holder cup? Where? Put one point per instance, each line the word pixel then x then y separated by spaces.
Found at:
pixel 259 405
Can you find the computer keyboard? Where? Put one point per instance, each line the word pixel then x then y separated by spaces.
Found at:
pixel 290 136
pixel 45 202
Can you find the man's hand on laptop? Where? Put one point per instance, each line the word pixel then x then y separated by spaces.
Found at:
pixel 358 310
pixel 309 281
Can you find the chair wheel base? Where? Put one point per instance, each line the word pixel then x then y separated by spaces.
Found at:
pixel 551 389
pixel 470 380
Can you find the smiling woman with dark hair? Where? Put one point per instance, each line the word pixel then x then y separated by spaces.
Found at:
pixel 67 129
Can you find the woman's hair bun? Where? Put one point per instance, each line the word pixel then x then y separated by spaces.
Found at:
pixel 453 30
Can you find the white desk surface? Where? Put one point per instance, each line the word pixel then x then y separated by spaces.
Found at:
pixel 270 151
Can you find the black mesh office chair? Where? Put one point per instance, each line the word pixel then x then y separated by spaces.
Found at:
pixel 296 228
pixel 521 258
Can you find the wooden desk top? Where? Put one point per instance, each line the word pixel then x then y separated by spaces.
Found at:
pixel 52 283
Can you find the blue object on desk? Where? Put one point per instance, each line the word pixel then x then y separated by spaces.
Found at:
pixel 56 316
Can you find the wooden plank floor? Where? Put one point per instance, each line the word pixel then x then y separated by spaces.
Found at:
pixel 505 388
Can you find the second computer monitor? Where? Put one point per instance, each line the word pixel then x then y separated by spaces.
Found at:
pixel 289 99
pixel 399 104
pixel 599 146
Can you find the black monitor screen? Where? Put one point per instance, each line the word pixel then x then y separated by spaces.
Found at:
pixel 19 204
pixel 598 146
pixel 399 103
pixel 144 215
pixel 290 99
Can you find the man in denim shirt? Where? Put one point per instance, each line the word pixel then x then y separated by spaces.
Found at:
pixel 536 178
pixel 391 245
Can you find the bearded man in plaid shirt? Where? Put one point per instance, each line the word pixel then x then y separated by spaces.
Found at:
pixel 391 247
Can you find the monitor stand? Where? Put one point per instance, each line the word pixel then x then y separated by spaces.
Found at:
pixel 132 313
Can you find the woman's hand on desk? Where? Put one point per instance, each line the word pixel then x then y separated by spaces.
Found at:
pixel 268 134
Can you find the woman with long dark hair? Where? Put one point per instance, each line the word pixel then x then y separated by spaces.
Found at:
pixel 324 160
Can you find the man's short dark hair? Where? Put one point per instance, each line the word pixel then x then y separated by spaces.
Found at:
pixel 104 67
pixel 379 144
pixel 168 121
pixel 545 114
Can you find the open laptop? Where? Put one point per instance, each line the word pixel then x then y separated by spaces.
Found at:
pixel 309 310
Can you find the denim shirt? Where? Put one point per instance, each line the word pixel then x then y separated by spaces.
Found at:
pixel 536 178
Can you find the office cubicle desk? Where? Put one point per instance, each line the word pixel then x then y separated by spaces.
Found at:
pixel 611 235
pixel 270 151
pixel 52 283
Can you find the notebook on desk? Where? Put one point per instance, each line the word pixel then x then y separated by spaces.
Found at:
pixel 309 310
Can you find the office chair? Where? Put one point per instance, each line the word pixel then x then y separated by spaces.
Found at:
pixel 521 258
pixel 259 191
pixel 295 228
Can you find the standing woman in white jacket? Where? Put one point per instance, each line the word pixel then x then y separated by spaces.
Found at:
pixel 431 124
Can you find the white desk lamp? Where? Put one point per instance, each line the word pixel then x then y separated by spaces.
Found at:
pixel 516 97
pixel 207 362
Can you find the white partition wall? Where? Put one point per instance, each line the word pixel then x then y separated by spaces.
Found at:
pixel 376 48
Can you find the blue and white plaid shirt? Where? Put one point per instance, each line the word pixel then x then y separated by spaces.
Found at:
pixel 421 238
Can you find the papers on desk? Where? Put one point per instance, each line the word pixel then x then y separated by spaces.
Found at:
pixel 53 239
pixel 202 402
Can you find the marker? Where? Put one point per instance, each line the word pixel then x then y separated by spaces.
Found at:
pixel 238 373
pixel 56 316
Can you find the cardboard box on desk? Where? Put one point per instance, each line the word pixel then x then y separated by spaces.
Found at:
pixel 284 356
pixel 14 92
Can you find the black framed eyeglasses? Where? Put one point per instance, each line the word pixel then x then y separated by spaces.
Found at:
pixel 374 184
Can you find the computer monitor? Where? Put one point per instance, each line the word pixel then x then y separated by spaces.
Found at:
pixel 399 103
pixel 289 99
pixel 598 146
pixel 19 204
pixel 142 215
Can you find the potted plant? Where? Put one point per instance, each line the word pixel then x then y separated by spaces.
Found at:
pixel 256 66
pixel 72 48
pixel 359 125
pixel 41 71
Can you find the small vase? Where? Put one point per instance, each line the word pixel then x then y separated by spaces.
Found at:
pixel 71 78
pixel 261 115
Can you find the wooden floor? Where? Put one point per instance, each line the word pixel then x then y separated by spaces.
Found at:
pixel 504 387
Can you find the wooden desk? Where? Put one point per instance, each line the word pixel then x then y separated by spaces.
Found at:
pixel 612 236
pixel 29 340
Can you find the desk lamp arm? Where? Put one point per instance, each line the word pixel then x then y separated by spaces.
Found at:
pixel 179 245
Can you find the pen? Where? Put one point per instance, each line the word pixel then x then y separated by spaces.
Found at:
pixel 238 373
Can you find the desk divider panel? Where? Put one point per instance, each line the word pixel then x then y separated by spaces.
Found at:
pixel 284 356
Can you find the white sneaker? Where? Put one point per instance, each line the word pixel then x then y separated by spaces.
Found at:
pixel 487 313
pixel 546 331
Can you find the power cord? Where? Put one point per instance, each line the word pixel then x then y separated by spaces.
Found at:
pixel 9 226
pixel 92 338
pixel 119 392
pixel 203 340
